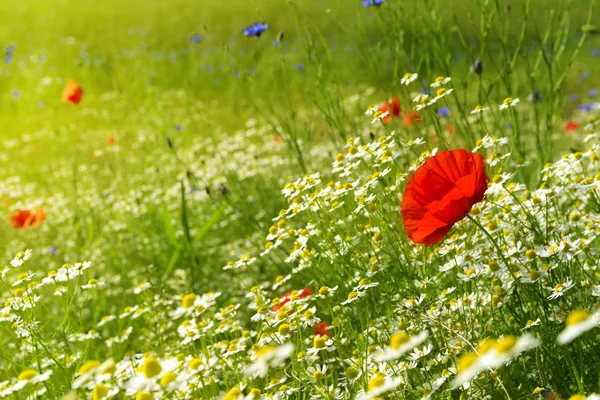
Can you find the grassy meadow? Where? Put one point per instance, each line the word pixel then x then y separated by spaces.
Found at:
pixel 379 199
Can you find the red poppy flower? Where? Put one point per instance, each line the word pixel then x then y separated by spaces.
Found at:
pixel 395 106
pixel 571 126
pixel 391 107
pixel 27 218
pixel 411 117
pixel 385 109
pixel 72 92
pixel 111 140
pixel 321 329
pixel 293 294
pixel 440 193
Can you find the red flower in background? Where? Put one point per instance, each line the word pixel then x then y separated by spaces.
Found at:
pixel 385 109
pixel 392 107
pixel 395 106
pixel 26 218
pixel 411 118
pixel 72 92
pixel 321 329
pixel 294 294
pixel 440 193
pixel 571 126
pixel 111 140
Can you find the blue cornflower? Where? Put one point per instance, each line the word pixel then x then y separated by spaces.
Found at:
pixel 573 97
pixel 587 107
pixel 52 250
pixel 585 75
pixel 8 53
pixel 593 92
pixel 369 3
pixel 595 52
pixel 256 29
pixel 300 67
pixel 178 127
pixel 444 111
pixel 195 38
pixel 16 94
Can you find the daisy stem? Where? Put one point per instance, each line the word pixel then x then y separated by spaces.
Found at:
pixel 496 245
pixel 501 254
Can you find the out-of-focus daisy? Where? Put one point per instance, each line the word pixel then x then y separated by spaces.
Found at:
pixel 400 343
pixel 509 102
pixel 269 356
pixel 440 81
pixel 379 385
pixel 408 78
pixel 479 109
pixel 578 322
pixel 492 354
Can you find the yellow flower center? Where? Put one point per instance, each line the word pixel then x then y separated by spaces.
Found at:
pixel 167 378
pixel 26 375
pixel 320 342
pixel 188 300
pixel 465 362
pixel 534 274
pixel 577 317
pixel 100 391
pixel 376 382
pixel 505 344
pixel 398 339
pixel 284 329
pixel 88 366
pixel 263 310
pixel 195 363
pixel 150 367
pixel 577 397
pixel 143 396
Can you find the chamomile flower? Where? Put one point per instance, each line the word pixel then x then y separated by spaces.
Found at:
pixel 379 385
pixel 578 322
pixel 409 78
pixel 492 354
pixel 321 343
pixel 479 109
pixel 400 343
pixel 560 289
pixel 440 81
pixel 509 102
pixel 269 357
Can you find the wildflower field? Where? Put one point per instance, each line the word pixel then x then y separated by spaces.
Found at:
pixel 269 199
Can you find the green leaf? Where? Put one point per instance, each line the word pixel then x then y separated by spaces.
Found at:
pixel 169 228
pixel 214 218
pixel 174 258
pixel 184 215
